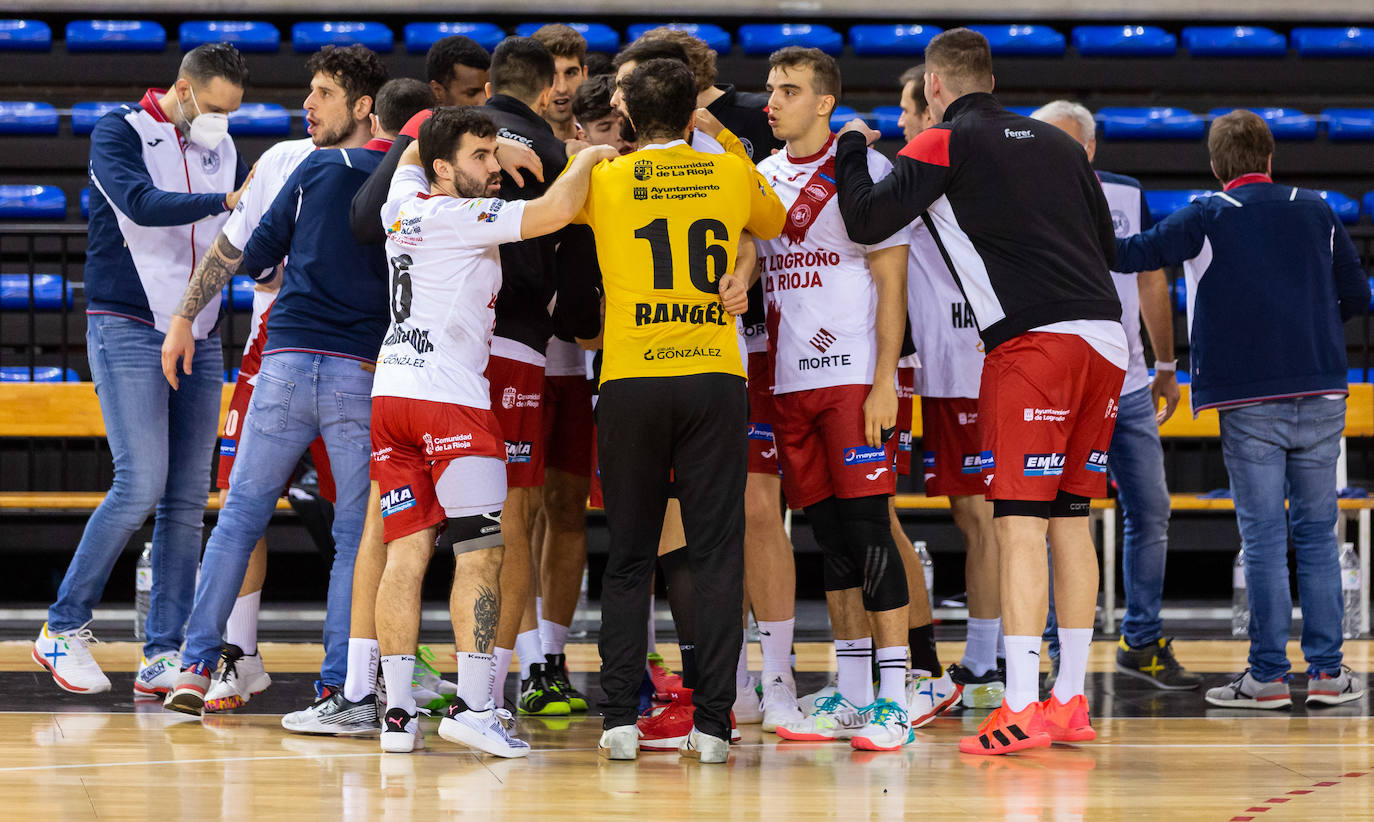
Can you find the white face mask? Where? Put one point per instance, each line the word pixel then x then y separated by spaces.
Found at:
pixel 208 130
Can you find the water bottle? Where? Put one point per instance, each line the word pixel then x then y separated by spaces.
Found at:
pixel 1350 591
pixel 928 569
pixel 1240 598
pixel 143 590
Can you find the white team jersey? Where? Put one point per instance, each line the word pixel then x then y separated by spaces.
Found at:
pixel 445 274
pixel 1125 203
pixel 942 323
pixel 564 359
pixel 820 298
pixel 706 144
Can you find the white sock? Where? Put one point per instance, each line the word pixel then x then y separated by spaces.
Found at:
pixel 474 679
pixel 742 665
pixel 653 630
pixel 500 667
pixel 1073 662
pixel 553 635
pixel 538 609
pixel 854 665
pixel 775 638
pixel 1023 671
pixel 530 651
pixel 242 629
pixel 398 670
pixel 361 679
pixel 892 673
pixel 980 651
pixel 1001 640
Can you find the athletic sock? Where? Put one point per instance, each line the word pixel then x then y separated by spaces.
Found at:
pixel 924 658
pixel 530 651
pixel 892 673
pixel 474 678
pixel 500 667
pixel 854 675
pixel 651 628
pixel 1023 671
pixel 1001 640
pixel 553 635
pixel 361 678
pixel 775 638
pixel 242 628
pixel 1073 662
pixel 689 665
pixel 538 609
pixel 980 651
pixel 398 670
pixel 742 665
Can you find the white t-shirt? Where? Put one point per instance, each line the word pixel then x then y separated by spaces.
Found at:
pixel 445 274
pixel 564 359
pixel 820 298
pixel 942 323
pixel 1126 203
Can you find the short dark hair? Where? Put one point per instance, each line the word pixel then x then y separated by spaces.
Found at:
pixel 562 41
pixel 599 63
pixel 916 74
pixel 356 68
pixel 825 72
pixel 206 62
pixel 963 58
pixel 442 133
pixel 661 96
pixel 400 99
pixel 645 49
pixel 448 52
pixel 592 100
pixel 1239 143
pixel 521 67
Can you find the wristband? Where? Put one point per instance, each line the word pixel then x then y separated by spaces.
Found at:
pixel 1170 366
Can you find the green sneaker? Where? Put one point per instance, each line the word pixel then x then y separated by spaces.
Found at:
pixel 557 666
pixel 539 696
pixel 431 691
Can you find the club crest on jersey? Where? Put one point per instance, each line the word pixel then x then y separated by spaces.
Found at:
pixel 1044 465
pixel 644 169
pixel 748 146
pixel 518 451
pixel 761 431
pixel 209 162
pixel 1097 461
pixel 508 397
pixel 801 214
pixel 1121 224
pixel 859 456
pixel 397 500
pixel 816 190
pixel 429 443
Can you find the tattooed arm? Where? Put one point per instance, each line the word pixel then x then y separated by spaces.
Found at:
pixel 215 269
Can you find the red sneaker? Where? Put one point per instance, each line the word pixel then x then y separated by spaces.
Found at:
pixel 665 730
pixel 1005 731
pixel 667 685
pixel 1067 721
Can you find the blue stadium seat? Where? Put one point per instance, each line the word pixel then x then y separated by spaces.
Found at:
pixel 891 39
pixel 240 288
pixel 1349 123
pixel 232 375
pixel 1025 40
pixel 1178 289
pixel 1369 204
pixel 1351 41
pixel 244 35
pixel 1346 208
pixel 259 119
pixel 1150 123
pixel 714 36
pixel 885 119
pixel 115 35
pixel 28 202
pixel 420 36
pixel 1285 123
pixel 840 116
pixel 1124 41
pixel 28 118
pixel 766 38
pixel 307 38
pixel 1355 375
pixel 1234 41
pixel 1024 111
pixel 20 373
pixel 84 115
pixel 599 36
pixel 25 35
pixel 48 293
pixel 1371 293
pixel 86 203
pixel 1164 203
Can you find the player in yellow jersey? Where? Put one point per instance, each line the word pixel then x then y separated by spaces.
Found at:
pixel 667 221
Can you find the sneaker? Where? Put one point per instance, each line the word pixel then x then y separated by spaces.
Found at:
pixel 1333 689
pixel 747 709
pixel 240 677
pixel 1154 663
pixel 188 694
pixel 67 656
pixel 667 729
pixel 835 718
pixel 666 683
pixel 333 714
pixel 157 676
pixel 704 748
pixel 928 697
pixel 811 702
pixel 482 730
pixel 887 728
pixel 428 677
pixel 539 696
pixel 978 691
pixel 401 731
pixel 1067 721
pixel 1247 692
pixel 1005 731
pixel 779 703
pixel 621 742
pixel 557 666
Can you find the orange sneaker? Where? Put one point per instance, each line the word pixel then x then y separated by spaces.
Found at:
pixel 1067 721
pixel 667 685
pixel 1005 731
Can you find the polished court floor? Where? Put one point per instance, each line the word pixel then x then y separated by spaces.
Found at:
pixel 1158 756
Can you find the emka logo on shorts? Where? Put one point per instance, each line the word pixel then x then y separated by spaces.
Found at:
pixel 397 500
pixel 859 456
pixel 973 464
pixel 904 441
pixel 1044 465
pixel 518 451
pixel 1097 461
pixel 760 431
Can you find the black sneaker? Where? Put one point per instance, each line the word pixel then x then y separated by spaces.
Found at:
pixel 1154 663
pixel 1052 675
pixel 557 667
pixel 983 691
pixel 333 714
pixel 539 695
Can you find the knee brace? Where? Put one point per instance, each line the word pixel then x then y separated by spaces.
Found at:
pixel 1070 505
pixel 839 571
pixel 1039 509
pixel 869 535
pixel 472 533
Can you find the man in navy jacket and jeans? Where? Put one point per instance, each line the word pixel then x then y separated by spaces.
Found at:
pixel 1271 276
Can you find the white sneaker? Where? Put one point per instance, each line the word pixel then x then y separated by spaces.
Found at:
pixel 401 731
pixel 746 708
pixel 67 656
pixel 482 730
pixel 428 679
pixel 336 716
pixel 619 743
pixel 240 677
pixel 887 728
pixel 704 748
pixel 835 718
pixel 157 677
pixel 927 697
pixel 810 703
pixel 780 701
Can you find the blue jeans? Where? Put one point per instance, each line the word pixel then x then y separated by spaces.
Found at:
pixel 162 442
pixel 298 397
pixel 1276 450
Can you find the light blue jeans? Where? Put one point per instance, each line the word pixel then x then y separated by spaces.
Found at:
pixel 162 442
pixel 298 397
pixel 1276 450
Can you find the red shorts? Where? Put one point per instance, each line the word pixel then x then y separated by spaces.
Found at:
pixel 594 498
pixel 1047 406
pixel 822 448
pixel 413 442
pixel 906 395
pixel 567 422
pixel 517 400
pixel 763 451
pixel 233 426
pixel 953 447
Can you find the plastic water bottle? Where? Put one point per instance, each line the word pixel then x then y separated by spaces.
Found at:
pixel 143 590
pixel 928 569
pixel 1350 590
pixel 1240 598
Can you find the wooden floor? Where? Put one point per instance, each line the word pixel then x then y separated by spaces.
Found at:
pixel 66 761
